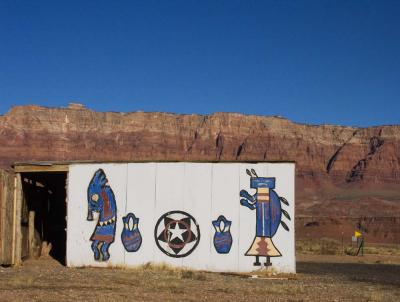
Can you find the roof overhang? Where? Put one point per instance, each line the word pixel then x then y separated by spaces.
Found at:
pixel 40 167
pixel 32 167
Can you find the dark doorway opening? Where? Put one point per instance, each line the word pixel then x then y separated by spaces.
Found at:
pixel 43 215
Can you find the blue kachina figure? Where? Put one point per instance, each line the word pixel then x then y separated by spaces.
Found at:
pixel 130 236
pixel 222 236
pixel 267 204
pixel 101 199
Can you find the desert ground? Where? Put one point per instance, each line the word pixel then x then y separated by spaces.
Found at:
pixel 372 277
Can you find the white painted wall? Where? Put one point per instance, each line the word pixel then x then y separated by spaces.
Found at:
pixel 204 190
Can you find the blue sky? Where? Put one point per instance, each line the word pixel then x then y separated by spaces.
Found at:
pixel 335 62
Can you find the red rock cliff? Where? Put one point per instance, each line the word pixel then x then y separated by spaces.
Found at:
pixel 340 170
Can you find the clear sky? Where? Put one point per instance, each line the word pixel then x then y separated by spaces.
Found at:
pixel 335 62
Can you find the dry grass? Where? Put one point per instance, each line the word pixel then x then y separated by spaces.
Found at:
pixel 327 246
pixel 323 246
pixel 176 272
pixel 388 249
pixel 319 278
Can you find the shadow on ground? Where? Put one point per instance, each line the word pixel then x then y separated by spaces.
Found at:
pixel 384 274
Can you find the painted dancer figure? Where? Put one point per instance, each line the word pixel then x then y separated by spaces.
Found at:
pixel 101 199
pixel 267 204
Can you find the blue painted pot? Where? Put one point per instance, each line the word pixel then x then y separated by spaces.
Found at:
pixel 130 236
pixel 222 236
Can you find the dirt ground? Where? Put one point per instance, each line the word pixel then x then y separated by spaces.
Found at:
pixel 319 278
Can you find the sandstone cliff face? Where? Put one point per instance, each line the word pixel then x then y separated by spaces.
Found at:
pixel 334 163
pixel 337 154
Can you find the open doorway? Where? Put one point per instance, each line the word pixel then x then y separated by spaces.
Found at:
pixel 43 215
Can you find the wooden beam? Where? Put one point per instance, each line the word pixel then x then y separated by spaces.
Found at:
pixel 41 168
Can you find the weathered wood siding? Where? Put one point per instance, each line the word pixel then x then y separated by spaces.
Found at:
pixel 7 218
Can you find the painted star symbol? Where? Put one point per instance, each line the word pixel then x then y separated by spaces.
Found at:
pixel 176 232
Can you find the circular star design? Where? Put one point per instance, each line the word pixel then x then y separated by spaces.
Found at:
pixel 177 234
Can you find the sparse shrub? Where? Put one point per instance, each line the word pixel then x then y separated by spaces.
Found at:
pixel 330 247
pixel 193 275
pixel 349 251
pixel 323 246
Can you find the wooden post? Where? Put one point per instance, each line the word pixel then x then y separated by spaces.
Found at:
pixel 31 233
pixel 342 245
pixel 14 223
pixel 17 235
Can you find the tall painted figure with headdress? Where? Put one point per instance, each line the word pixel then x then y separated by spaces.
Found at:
pixel 269 212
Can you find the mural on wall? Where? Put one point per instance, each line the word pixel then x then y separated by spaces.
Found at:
pixel 177 234
pixel 101 199
pixel 187 214
pixel 222 236
pixel 269 212
pixel 130 236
